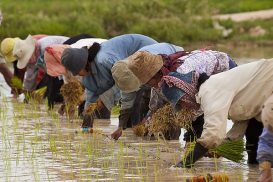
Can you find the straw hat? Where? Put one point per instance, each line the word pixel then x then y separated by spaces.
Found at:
pixel 7 47
pixel 144 65
pixel 136 70
pixel 23 50
pixel 124 77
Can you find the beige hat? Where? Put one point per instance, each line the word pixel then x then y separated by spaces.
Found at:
pixel 124 77
pixel 23 50
pixel 144 65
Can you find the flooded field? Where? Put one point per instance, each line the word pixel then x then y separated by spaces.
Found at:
pixel 41 146
pixel 37 145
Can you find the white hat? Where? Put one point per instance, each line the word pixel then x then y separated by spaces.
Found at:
pixel 23 50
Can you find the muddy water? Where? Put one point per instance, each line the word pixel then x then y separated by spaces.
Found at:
pixel 36 145
pixel 41 146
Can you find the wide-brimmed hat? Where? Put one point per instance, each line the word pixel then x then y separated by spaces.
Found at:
pixel 75 59
pixel 23 50
pixel 144 65
pixel 124 77
pixel 7 46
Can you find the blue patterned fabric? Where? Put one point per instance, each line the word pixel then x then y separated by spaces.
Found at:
pixel 174 94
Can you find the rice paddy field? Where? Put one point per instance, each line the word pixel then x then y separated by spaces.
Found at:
pixel 38 145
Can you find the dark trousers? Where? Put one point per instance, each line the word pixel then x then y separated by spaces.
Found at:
pixel 140 107
pixel 195 130
pixel 253 131
pixel 53 94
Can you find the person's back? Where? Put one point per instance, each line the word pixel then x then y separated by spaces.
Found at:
pixel 111 51
pixel 50 40
pixel 121 47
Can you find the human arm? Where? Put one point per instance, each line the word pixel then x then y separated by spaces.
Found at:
pixel 215 106
pixel 127 102
pixel 6 73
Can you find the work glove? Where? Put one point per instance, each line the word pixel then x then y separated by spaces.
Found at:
pixel 265 172
pixel 123 119
pixel 88 120
pixel 198 152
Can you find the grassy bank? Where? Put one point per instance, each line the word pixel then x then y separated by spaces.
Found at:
pixel 171 21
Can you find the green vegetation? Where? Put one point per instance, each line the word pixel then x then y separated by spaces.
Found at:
pixel 174 21
pixel 235 6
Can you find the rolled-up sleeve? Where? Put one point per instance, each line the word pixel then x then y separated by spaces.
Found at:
pixel 90 98
pixel 127 100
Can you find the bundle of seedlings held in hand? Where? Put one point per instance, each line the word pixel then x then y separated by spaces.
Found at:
pixel 229 149
pixel 232 150
pixel 183 118
pixel 141 129
pixel 165 119
pixel 162 120
pixel 16 83
pixel 39 94
pixel 72 92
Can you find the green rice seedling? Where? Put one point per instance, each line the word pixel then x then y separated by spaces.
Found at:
pixel 38 94
pixel 17 84
pixel 232 150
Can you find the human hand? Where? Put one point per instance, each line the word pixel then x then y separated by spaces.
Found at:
pixel 116 134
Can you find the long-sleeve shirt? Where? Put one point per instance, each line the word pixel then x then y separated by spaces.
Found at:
pixel 201 61
pixel 106 65
pixel 34 73
pixel 100 77
pixel 265 148
pixel 237 94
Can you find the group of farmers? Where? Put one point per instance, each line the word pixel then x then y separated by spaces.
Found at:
pixel 143 75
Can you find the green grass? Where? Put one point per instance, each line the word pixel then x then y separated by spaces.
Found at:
pixel 235 6
pixel 164 20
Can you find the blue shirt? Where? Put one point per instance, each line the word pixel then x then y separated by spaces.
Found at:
pixel 162 48
pixel 265 148
pixel 100 77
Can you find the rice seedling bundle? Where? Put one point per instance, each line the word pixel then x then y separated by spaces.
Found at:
pixel 232 150
pixel 16 83
pixel 72 92
pixel 91 108
pixel 162 120
pixel 166 118
pixel 39 94
pixel 140 129
pixel 183 118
